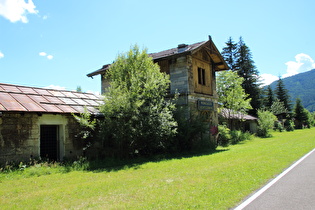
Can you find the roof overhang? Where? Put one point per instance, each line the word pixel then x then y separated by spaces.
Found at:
pixel 99 71
pixel 214 53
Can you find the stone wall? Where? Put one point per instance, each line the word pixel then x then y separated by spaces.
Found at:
pixel 179 75
pixel 17 136
pixel 182 70
pixel 20 136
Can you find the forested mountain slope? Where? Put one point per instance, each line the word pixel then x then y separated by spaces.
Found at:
pixel 301 86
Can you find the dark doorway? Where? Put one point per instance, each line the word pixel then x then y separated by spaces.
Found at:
pixel 49 142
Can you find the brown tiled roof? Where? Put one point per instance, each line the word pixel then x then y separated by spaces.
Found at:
pixel 31 99
pixel 177 51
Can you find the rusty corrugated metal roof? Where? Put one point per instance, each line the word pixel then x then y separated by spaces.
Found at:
pixel 32 99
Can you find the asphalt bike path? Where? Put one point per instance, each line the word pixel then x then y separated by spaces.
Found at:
pixel 292 189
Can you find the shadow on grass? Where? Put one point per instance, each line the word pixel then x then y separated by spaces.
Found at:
pixel 111 164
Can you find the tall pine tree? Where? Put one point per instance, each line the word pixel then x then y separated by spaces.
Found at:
pixel 282 94
pixel 270 97
pixel 300 114
pixel 229 53
pixel 241 61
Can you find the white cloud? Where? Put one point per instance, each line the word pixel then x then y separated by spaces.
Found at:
pixel 55 87
pixel 302 63
pixel 49 57
pixel 16 10
pixel 44 54
pixel 267 79
pixel 1 55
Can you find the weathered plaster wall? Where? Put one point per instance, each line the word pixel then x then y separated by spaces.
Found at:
pixel 20 135
pixel 17 136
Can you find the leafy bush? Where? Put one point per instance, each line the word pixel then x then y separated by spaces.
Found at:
pixel 224 136
pixel 239 136
pixel 278 126
pixel 87 129
pixel 138 118
pixel 289 125
pixel 247 136
pixel 236 136
pixel 191 130
pixel 266 120
pixel 312 118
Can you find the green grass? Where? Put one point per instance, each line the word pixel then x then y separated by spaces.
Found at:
pixel 218 180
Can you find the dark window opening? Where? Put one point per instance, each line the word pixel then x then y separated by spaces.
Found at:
pixel 201 76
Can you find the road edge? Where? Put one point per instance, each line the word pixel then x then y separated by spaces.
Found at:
pixel 266 187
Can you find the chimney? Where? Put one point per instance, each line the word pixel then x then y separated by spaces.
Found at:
pixel 182 48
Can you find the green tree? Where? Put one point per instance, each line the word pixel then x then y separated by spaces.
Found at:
pixel 282 94
pixel 245 67
pixel 278 107
pixel 229 53
pixel 312 117
pixel 270 97
pixel 79 89
pixel 138 119
pixel 231 94
pixel 301 115
pixel 266 120
pixel 88 126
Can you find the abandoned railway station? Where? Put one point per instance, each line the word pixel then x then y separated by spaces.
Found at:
pixel 37 122
pixel 192 71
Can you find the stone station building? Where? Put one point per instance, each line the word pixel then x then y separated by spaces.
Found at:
pixel 192 71
pixel 38 122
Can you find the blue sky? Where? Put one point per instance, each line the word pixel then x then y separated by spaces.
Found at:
pixel 56 42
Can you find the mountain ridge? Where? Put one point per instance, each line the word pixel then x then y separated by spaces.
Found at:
pixel 301 86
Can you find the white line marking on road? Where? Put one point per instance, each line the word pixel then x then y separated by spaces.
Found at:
pixel 258 193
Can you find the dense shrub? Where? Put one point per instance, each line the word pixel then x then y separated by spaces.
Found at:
pixel 224 136
pixel 266 120
pixel 191 132
pixel 236 136
pixel 239 136
pixel 278 126
pixel 247 136
pixel 289 125
pixel 138 120
pixel 227 136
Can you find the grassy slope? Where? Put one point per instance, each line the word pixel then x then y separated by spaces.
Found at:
pixel 216 181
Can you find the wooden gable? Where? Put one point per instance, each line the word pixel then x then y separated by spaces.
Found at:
pixel 203 72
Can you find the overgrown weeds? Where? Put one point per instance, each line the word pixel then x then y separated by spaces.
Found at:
pixel 228 137
pixel 40 168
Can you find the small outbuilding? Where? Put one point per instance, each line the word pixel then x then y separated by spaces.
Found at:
pixel 239 121
pixel 38 122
